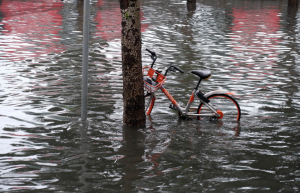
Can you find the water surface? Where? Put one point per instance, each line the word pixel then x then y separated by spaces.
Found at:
pixel 251 48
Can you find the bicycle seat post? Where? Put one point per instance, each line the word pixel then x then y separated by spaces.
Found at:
pixel 198 84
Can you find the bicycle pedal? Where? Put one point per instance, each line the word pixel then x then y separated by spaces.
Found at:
pixel 172 107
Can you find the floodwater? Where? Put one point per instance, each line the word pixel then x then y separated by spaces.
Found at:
pixel 252 48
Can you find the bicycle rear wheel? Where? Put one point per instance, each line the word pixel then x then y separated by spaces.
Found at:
pixel 226 106
pixel 149 102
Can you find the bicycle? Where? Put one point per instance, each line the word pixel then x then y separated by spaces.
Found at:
pixel 215 105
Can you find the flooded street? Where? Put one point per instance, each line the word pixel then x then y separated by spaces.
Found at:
pixel 251 47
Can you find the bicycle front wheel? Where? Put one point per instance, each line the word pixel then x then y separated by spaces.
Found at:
pixel 149 102
pixel 226 106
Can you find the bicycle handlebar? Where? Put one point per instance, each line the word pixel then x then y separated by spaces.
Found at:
pixel 173 69
pixel 152 53
pixel 154 57
pixel 178 69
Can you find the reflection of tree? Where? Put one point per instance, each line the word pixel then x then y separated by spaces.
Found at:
pixel 133 150
pixel 156 147
pixel 290 27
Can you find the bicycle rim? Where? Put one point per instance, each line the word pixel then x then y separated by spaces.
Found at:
pixel 226 106
pixel 149 103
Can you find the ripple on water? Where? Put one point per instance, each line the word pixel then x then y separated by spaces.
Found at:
pixel 46 147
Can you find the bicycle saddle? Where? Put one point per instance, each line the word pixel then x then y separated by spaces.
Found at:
pixel 202 73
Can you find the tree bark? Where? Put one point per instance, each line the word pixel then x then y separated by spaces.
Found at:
pixel 293 3
pixel 191 5
pixel 133 86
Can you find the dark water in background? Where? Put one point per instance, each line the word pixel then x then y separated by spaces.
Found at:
pixel 252 48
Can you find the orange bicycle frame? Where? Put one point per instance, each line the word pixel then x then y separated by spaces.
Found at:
pixel 169 96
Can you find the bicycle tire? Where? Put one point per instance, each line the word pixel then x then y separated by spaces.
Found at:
pixel 225 105
pixel 149 102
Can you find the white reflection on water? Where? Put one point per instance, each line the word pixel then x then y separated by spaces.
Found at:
pixel 44 146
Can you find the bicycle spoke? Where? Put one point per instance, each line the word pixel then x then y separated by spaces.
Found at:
pixel 149 102
pixel 225 106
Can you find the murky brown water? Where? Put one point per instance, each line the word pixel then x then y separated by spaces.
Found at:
pixel 252 48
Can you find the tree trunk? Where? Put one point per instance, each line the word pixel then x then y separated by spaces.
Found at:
pixel 191 5
pixel 292 13
pixel 133 86
pixel 293 3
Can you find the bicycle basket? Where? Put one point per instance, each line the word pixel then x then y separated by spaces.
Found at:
pixel 152 81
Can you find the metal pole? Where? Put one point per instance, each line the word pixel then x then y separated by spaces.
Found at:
pixel 85 59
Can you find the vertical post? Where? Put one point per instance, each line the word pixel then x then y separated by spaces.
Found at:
pixel 85 59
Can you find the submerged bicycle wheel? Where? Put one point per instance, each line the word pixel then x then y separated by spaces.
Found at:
pixel 149 102
pixel 226 107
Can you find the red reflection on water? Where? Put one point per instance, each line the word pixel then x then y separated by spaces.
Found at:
pixel 266 20
pixel 255 41
pixel 30 28
pixel 254 35
pixel 109 20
